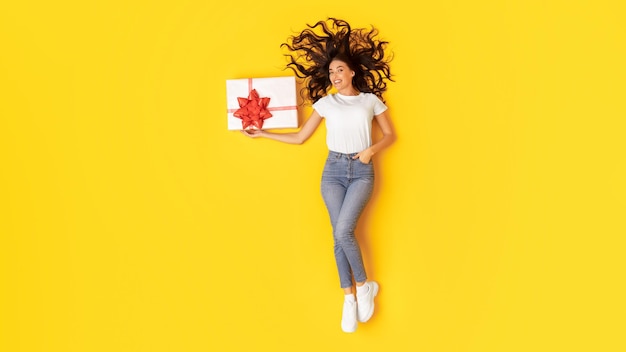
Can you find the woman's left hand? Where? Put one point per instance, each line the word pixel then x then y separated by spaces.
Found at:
pixel 364 156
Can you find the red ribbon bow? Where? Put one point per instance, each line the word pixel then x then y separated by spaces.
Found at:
pixel 253 110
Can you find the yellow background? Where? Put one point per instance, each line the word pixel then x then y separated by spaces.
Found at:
pixel 132 220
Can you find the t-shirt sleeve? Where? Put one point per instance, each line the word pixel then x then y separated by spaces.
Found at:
pixel 379 106
pixel 321 106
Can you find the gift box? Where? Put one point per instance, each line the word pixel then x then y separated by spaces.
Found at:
pixel 261 103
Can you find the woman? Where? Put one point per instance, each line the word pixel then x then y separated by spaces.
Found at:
pixel 353 62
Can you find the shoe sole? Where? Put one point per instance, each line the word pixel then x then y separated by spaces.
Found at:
pixel 371 312
pixel 351 328
pixel 348 331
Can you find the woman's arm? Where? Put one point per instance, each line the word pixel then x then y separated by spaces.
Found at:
pixel 384 122
pixel 292 138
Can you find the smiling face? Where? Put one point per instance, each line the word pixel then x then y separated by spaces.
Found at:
pixel 340 76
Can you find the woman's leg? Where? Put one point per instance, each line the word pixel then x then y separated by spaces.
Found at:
pixel 345 206
pixel 333 192
pixel 356 197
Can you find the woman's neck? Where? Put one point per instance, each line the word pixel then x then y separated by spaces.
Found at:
pixel 349 92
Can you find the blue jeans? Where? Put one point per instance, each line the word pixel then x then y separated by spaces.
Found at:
pixel 347 185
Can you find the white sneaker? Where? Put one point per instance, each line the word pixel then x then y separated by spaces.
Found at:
pixel 366 302
pixel 348 318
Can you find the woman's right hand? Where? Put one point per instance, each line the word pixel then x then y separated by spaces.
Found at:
pixel 252 133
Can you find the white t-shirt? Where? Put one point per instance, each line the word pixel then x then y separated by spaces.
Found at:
pixel 349 120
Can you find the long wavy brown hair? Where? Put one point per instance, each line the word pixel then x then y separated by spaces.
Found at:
pixel 311 51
